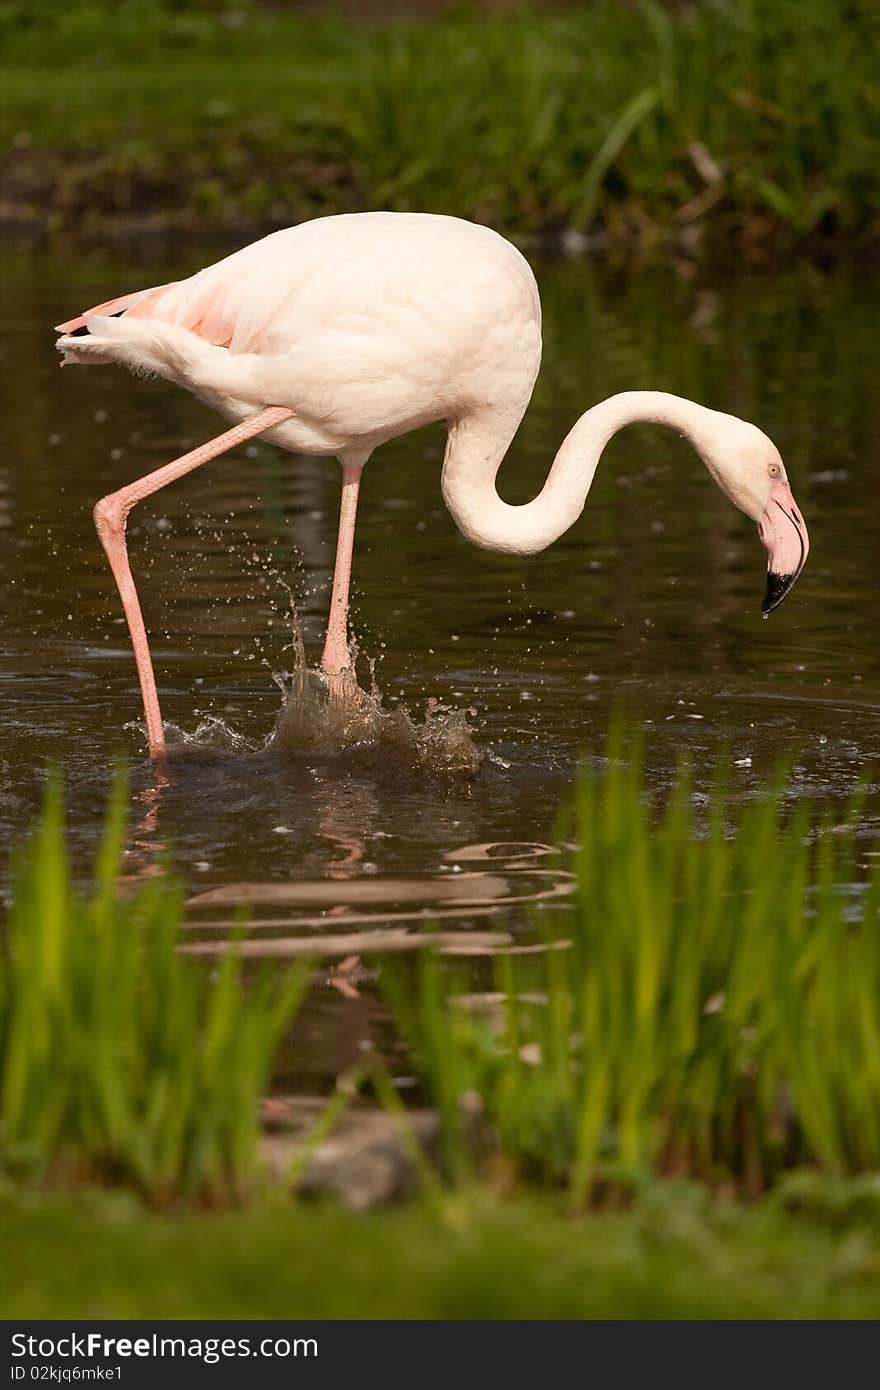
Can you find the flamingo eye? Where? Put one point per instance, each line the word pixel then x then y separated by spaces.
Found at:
pixel 774 470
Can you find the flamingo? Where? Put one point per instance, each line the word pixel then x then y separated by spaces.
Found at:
pixel 333 336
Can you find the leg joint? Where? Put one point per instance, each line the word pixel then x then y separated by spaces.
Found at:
pixel 110 514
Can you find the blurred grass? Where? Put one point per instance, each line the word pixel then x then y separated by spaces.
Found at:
pixel 120 1061
pixel 754 120
pixel 708 1006
pixel 678 1254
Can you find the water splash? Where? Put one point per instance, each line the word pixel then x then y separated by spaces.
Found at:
pixel 336 717
pixel 212 734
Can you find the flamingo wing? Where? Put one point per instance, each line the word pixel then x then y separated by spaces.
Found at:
pixel 238 303
pixel 368 325
pixel 365 273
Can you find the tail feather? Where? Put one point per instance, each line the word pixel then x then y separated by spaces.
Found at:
pixel 138 343
pixel 151 347
pixel 139 331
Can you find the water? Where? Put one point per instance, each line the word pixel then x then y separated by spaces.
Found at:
pixel 653 599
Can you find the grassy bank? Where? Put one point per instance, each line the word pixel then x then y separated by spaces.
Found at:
pixel 746 124
pixel 675 1256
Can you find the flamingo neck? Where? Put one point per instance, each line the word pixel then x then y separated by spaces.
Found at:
pixel 477 445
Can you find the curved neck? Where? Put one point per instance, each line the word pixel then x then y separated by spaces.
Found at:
pixel 477 444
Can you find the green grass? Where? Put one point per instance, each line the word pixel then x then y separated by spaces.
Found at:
pixel 120 1060
pixel 677 1255
pixel 706 1004
pixel 709 1005
pixel 754 119
pixel 709 1028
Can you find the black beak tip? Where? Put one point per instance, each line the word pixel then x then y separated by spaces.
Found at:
pixel 778 586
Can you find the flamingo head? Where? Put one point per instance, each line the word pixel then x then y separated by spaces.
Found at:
pixel 748 467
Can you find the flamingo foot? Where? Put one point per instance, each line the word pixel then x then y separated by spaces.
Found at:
pixel 342 688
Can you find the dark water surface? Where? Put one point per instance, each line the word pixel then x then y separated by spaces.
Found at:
pixel 652 599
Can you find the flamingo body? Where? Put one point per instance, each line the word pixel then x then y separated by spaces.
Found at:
pixel 366 325
pixel 334 336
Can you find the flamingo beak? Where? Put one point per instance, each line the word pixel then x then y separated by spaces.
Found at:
pixel 784 533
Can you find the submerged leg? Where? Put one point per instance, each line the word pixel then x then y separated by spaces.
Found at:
pixel 111 514
pixel 336 657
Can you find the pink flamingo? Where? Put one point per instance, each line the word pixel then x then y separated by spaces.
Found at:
pixel 334 336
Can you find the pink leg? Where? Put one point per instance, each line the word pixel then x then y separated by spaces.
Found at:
pixel 111 514
pixel 336 657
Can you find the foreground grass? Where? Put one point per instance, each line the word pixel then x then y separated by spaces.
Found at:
pixel 674 1256
pixel 707 1005
pixel 120 1060
pixel 753 118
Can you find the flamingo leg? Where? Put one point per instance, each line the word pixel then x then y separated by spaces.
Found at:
pixel 111 515
pixel 336 657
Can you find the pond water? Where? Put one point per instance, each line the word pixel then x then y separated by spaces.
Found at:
pixel 652 600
